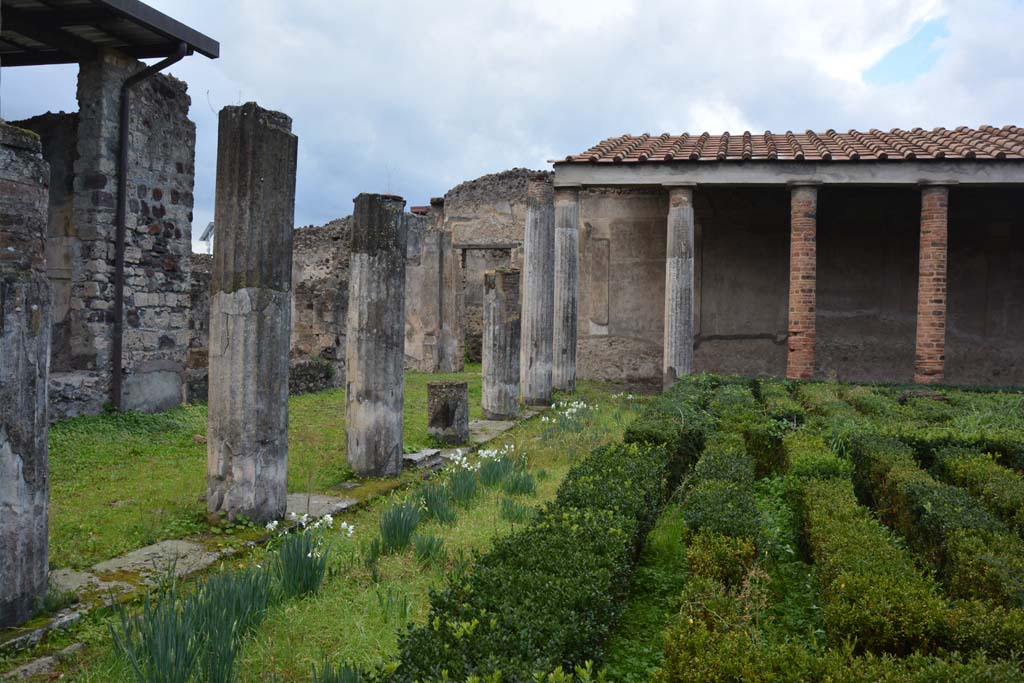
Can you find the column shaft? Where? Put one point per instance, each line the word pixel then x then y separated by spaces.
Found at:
pixel 500 395
pixel 802 282
pixel 24 373
pixel 375 339
pixel 250 314
pixel 679 295
pixel 567 283
pixel 930 352
pixel 538 292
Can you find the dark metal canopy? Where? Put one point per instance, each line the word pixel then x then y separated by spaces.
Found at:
pixel 66 31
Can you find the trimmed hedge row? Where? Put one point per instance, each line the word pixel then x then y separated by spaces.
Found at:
pixel 548 595
pixel 873 591
pixel 779 403
pixel 999 488
pixel 978 556
pixel 678 421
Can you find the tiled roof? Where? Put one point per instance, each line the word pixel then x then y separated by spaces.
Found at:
pixel 985 142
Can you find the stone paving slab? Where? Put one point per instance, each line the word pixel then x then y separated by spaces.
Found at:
pixel 68 580
pixel 317 505
pixel 44 666
pixel 62 620
pixel 186 557
pixel 482 431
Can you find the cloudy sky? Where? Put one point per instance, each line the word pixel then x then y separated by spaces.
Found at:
pixel 413 97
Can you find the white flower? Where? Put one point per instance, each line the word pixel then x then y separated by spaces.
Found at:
pixel 272 526
pixel 292 516
pixel 347 528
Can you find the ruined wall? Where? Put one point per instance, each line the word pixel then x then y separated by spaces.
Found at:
pixel 59 136
pixel 320 263
pixel 487 217
pixel 985 319
pixel 197 359
pixel 80 248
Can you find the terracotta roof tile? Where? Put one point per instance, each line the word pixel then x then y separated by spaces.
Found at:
pixel 985 142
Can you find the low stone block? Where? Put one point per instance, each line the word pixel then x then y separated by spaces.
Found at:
pixel 448 411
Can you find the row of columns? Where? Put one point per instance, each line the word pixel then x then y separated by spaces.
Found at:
pixel 551 287
pixel 930 339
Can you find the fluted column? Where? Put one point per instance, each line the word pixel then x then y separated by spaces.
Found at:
pixel 538 292
pixel 567 285
pixel 375 338
pixel 679 295
pixel 500 395
pixel 250 314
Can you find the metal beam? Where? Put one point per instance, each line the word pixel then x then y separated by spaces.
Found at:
pixel 160 23
pixel 22 23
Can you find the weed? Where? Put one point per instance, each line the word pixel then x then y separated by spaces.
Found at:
pixel 494 470
pixel 519 483
pixel 516 512
pixel 394 605
pixel 429 550
pixel 343 673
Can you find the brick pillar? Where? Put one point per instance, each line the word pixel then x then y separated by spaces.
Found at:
pixel 679 297
pixel 803 259
pixel 930 351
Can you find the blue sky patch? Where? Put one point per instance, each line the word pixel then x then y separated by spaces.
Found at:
pixel 913 58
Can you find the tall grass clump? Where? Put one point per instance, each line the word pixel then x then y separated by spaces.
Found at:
pixel 397 524
pixel 159 643
pixel 494 470
pixel 300 564
pixel 437 500
pixel 429 549
pixel 343 673
pixel 516 512
pixel 227 608
pixel 519 483
pixel 463 485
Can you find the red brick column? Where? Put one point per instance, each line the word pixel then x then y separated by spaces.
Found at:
pixel 803 260
pixel 930 352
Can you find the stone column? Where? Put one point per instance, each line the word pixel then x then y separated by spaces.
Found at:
pixel 567 284
pixel 930 351
pixel 678 339
pixel 500 394
pixel 538 292
pixel 803 261
pixel 250 314
pixel 24 372
pixel 448 412
pixel 376 336
pixel 452 343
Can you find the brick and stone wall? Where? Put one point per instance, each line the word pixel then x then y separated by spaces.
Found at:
pixel 487 217
pixel 319 305
pixel 83 149
pixel 197 359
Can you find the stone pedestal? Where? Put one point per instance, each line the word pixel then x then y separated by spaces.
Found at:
pixel 538 292
pixel 803 264
pixel 567 284
pixel 679 296
pixel 930 341
pixel 500 395
pixel 448 412
pixel 250 315
pixel 375 339
pixel 24 371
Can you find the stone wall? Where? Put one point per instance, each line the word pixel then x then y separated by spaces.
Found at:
pixel 487 217
pixel 197 360
pixel 320 266
pixel 83 150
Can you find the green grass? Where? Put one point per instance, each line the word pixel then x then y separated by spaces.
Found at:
pixel 355 618
pixel 635 649
pixel 120 482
